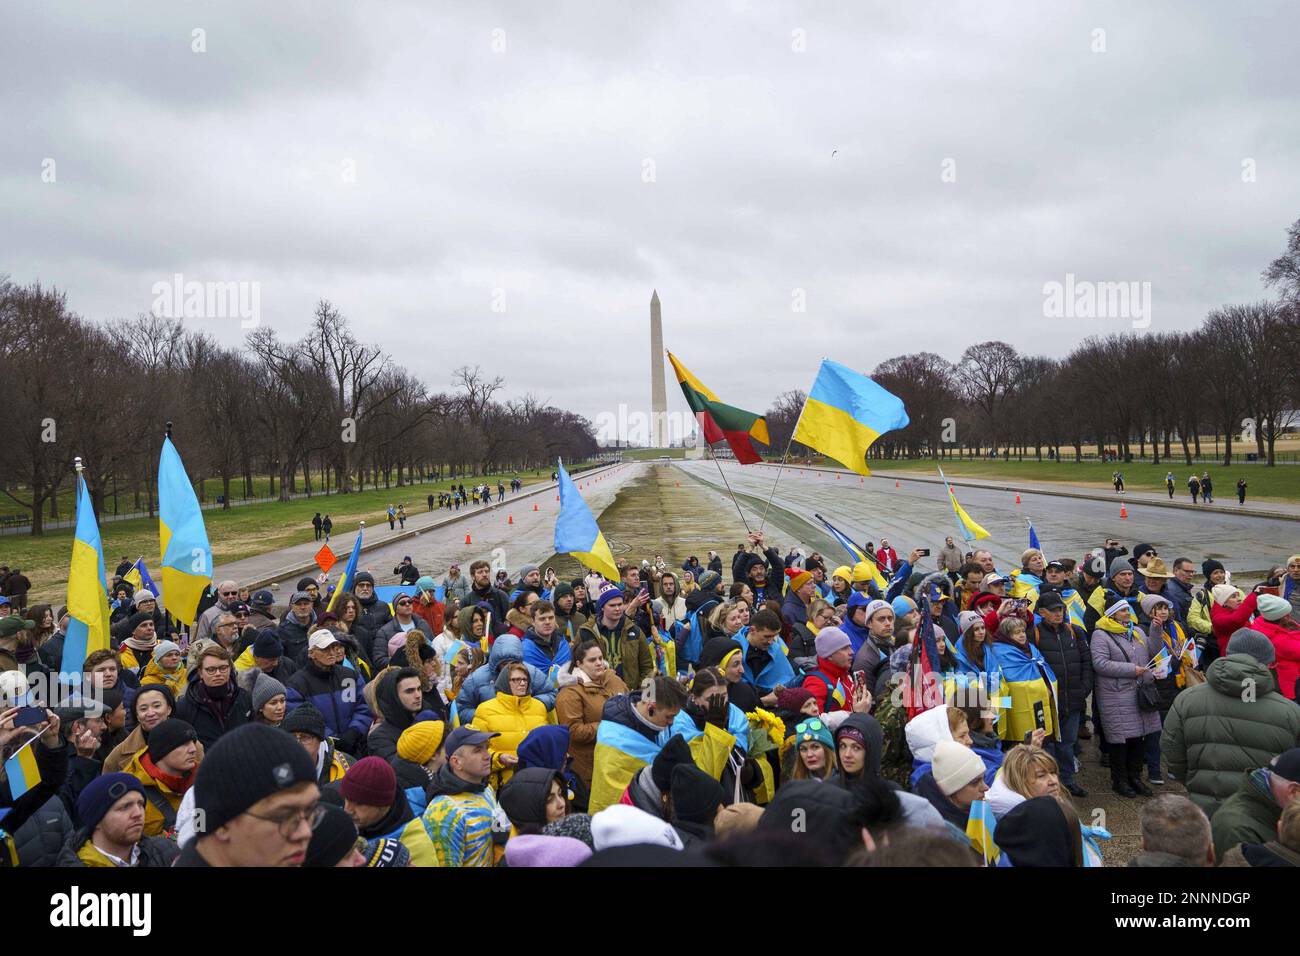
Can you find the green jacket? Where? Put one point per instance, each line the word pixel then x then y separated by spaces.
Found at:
pixel 1234 722
pixel 1248 816
pixel 628 653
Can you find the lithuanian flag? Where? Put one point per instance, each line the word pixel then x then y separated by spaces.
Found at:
pixel 721 422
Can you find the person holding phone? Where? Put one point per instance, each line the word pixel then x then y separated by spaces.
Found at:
pixel 51 759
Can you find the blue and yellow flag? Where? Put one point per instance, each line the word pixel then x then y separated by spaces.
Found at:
pixel 87 597
pixel 22 771
pixel 979 827
pixel 182 538
pixel 138 577
pixel 970 530
pixel 845 413
pixel 577 534
pixel 350 571
pixel 859 555
pixel 837 693
pixel 1033 537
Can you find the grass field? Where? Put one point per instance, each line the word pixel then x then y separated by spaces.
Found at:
pixel 649 454
pixel 241 532
pixel 1279 483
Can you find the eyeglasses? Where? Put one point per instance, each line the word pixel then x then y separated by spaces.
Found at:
pixel 219 669
pixel 403 603
pixel 287 822
pixel 520 680
pixel 229 593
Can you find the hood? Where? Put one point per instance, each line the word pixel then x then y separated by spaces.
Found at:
pixel 875 738
pixel 508 647
pixel 524 797
pixel 985 599
pixel 390 705
pixel 445 784
pixel 925 730
pixel 1228 674
pixel 698 598
pixel 398 815
pixel 464 622
pixel 546 747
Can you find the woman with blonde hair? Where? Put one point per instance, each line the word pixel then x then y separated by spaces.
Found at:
pixel 1027 772
pixel 728 618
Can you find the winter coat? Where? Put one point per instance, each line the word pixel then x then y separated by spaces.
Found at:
pixel 1117 651
pixel 1248 816
pixel 135 741
pixel 1026 678
pixel 246 662
pixel 211 717
pixel 1067 653
pixel 457 587
pixel 155 851
pixel 499 602
pixel 578 706
pixel 294 637
pixel 394 718
pixel 626 648
pixel 174 681
pixel 458 823
pixel 511 718
pixel 379 645
pixel 547 656
pixel 480 686
pixel 1225 622
pixel 160 791
pixel 374 615
pixel 1212 735
pixel 822 681
pixel 1286 642
pixel 950 559
pixel 338 693
pixel 40 840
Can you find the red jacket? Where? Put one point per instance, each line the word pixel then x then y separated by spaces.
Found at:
pixel 1286 641
pixel 888 558
pixel 1224 622
pixel 822 691
pixel 432 613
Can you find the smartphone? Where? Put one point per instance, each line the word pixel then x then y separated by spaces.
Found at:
pixel 923 552
pixel 29 716
pixel 1040 718
pixel 859 678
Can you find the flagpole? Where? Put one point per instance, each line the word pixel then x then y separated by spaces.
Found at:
pixel 780 466
pixel 729 491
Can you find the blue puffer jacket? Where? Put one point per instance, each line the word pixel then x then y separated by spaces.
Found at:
pixel 480 686
pixel 337 693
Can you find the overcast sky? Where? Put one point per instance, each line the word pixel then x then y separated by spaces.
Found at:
pixel 416 167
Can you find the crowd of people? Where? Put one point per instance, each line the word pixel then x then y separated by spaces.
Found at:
pixel 874 713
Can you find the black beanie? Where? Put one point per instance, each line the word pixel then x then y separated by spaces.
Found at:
pixel 363 576
pixel 169 735
pixel 696 795
pixel 333 839
pixel 1209 566
pixel 111 698
pixel 305 719
pixel 676 751
pixel 246 765
pixel 525 795
pixel 153 689
pixel 135 620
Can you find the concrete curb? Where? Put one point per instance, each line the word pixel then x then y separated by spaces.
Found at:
pixel 1086 496
pixel 302 569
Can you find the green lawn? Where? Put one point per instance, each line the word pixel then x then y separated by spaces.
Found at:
pixel 649 454
pixel 241 532
pixel 1279 483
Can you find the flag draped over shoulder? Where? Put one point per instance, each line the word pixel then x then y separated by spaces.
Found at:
pixel 845 413
pixel 182 538
pixel 970 530
pixel 349 572
pixel 719 421
pixel 576 532
pixel 87 598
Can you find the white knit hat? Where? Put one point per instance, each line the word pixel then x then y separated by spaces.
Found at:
pixel 954 766
pixel 624 825
pixel 1222 592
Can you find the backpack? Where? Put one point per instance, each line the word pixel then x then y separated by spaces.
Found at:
pixel 896 756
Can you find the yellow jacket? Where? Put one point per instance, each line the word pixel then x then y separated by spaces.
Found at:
pixel 1198 612
pixel 154 823
pixel 512 717
pixel 174 680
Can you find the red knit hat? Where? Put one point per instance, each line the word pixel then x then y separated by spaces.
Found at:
pixel 371 781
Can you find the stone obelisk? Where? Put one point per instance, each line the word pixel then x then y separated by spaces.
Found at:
pixel 658 400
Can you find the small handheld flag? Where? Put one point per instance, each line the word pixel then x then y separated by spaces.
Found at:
pixel 980 826
pixel 138 577
pixel 577 533
pixel 1033 537
pixel 22 771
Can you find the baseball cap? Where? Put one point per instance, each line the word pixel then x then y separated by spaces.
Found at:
pixel 1049 601
pixel 322 639
pixel 1287 765
pixel 994 579
pixel 465 737
pixel 300 596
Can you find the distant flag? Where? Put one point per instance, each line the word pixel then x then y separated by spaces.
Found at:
pixel 858 554
pixel 22 771
pixel 1033 538
pixel 845 413
pixel 87 598
pixel 576 532
pixel 138 577
pixel 979 828
pixel 350 571
pixel 970 530
pixel 721 422
pixel 182 537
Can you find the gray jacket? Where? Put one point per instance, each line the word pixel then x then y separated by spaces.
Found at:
pixel 1114 660
pixel 379 648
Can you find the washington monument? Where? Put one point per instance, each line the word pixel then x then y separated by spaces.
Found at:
pixel 658 400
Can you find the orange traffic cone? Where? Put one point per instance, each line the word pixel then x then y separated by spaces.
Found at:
pixel 895 482
pixel 1017 498
pixel 510 520
pixel 467 540
pixel 1123 511
pixel 534 507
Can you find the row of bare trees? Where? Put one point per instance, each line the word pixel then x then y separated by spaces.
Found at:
pixel 327 413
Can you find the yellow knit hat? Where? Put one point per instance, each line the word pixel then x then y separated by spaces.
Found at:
pixel 420 741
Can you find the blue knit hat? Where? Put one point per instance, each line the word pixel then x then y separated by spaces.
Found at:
pixel 100 794
pixel 814 729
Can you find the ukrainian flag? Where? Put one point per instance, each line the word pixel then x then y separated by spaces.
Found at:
pixel 182 538
pixel 138 577
pixel 858 554
pixel 576 532
pixel 350 571
pixel 845 413
pixel 87 599
pixel 837 693
pixel 22 771
pixel 970 530
pixel 979 828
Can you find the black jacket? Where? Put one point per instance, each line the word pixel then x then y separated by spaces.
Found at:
pixel 155 851
pixel 374 615
pixel 41 838
pixel 294 637
pixel 53 766
pixel 396 718
pixel 1067 653
pixel 210 717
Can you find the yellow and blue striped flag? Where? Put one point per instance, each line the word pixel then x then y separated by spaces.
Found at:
pixel 138 577
pixel 182 538
pixel 22 771
pixel 349 570
pixel 979 828
pixel 970 530
pixel 87 598
pixel 576 532
pixel 837 693
pixel 859 555
pixel 845 413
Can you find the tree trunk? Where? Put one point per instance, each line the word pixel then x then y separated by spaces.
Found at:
pixel 225 492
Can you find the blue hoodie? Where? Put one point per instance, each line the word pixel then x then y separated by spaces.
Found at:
pixel 480 686
pixel 857 635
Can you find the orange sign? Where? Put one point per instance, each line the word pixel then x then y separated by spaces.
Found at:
pixel 326 558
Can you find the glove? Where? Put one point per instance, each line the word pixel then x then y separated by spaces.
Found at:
pixel 717 711
pixel 350 742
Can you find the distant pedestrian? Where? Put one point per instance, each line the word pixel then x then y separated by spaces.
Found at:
pixel 392 516
pixel 1118 480
pixel 1207 489
pixel 327 526
pixel 430 502
pixel 501 492
pixel 1169 485
pixel 1241 491
pixel 316 523
pixel 1194 486
pixel 401 515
